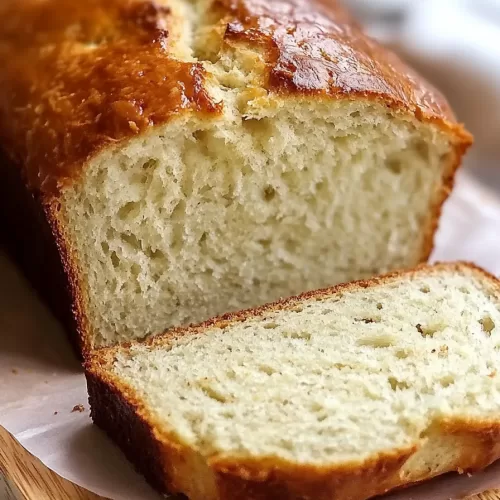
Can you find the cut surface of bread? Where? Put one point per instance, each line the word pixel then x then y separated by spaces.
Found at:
pixel 340 394
pixel 234 214
pixel 194 157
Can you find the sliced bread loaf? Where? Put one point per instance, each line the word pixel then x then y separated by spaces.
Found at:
pixel 166 161
pixel 339 394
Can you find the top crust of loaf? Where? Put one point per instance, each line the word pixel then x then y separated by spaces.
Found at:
pixel 79 76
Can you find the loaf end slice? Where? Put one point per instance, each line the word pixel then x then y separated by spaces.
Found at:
pixel 343 393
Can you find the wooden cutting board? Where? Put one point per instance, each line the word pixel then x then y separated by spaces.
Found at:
pixel 23 477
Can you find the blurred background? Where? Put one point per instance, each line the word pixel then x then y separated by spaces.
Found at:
pixel 456 45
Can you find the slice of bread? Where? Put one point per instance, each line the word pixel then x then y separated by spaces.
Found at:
pixel 339 394
pixel 169 161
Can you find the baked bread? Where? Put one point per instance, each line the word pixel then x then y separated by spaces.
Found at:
pixel 167 161
pixel 339 394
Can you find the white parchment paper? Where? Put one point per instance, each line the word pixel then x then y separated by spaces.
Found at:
pixel 41 382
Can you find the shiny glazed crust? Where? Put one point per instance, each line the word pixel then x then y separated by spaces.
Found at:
pixel 171 466
pixel 81 77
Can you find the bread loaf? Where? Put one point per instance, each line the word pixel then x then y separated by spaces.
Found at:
pixel 340 394
pixel 167 161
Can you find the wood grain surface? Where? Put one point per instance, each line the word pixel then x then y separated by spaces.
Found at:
pixel 23 477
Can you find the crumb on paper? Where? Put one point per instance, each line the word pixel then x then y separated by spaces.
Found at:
pixel 15 371
pixel 55 413
pixel 443 351
pixel 78 408
pixel 493 374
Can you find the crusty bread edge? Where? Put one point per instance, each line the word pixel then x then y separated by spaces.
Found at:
pixel 172 466
pixel 32 235
pixel 442 195
pixel 80 333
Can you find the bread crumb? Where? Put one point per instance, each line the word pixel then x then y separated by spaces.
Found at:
pixel 488 325
pixel 493 374
pixel 443 351
pixel 14 371
pixel 460 470
pixel 55 413
pixel 78 408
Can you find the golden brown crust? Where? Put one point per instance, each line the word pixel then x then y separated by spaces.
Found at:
pixel 32 238
pixel 472 444
pixel 446 187
pixel 79 76
pixel 116 412
pixel 315 46
pixel 80 330
pixel 32 234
